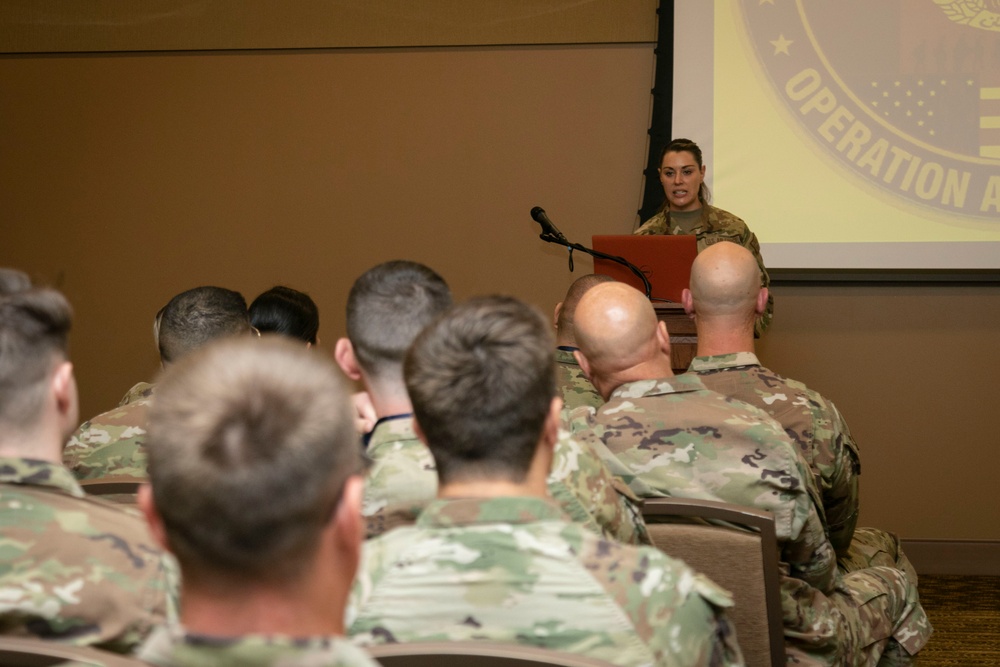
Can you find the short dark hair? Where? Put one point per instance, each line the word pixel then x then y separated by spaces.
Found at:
pixel 194 317
pixel 34 330
pixel 580 286
pixel 387 307
pixel 481 379
pixel 250 443
pixel 286 311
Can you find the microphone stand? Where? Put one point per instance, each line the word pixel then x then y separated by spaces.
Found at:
pixel 561 240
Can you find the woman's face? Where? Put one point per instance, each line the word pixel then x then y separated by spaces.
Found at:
pixel 681 179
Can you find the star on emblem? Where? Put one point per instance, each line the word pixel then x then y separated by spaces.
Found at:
pixel 781 45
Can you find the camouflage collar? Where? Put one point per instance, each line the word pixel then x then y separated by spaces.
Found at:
pixel 393 428
pixel 656 387
pixel 448 512
pixel 564 355
pixel 172 644
pixel 32 472
pixel 721 361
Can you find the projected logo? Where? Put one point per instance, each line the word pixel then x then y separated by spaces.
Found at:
pixel 904 93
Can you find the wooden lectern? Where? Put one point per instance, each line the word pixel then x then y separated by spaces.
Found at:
pixel 666 262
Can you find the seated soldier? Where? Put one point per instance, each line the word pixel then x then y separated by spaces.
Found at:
pixel 254 487
pixel 725 299
pixel 574 386
pixel 386 309
pixel 494 558
pixel 112 443
pixel 72 569
pixel 288 312
pixel 675 437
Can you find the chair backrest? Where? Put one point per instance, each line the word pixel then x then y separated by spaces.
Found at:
pixel 29 652
pixel 735 547
pixel 481 654
pixel 118 489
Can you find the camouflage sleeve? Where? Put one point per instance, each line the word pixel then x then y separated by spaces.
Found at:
pixel 809 554
pixel 587 491
pixel 840 492
pixel 678 613
pixel 110 444
pixel 398 486
pixel 378 556
pixel 655 225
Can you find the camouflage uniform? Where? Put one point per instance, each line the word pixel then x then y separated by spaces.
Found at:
pixel 677 438
pixel 824 440
pixel 814 424
pixel 574 386
pixel 112 443
pixel 403 479
pixel 717 225
pixel 74 569
pixel 516 570
pixel 173 647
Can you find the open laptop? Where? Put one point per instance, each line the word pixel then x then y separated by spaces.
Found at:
pixel 664 259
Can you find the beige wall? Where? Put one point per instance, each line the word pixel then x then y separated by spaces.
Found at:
pixel 125 179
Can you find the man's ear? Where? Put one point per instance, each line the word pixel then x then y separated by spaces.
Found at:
pixel 555 315
pixel 663 337
pixel 584 363
pixel 553 421
pixel 153 518
pixel 64 393
pixel 343 353
pixel 347 519
pixel 688 302
pixel 761 305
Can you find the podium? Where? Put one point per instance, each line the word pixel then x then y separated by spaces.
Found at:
pixel 683 334
pixel 666 262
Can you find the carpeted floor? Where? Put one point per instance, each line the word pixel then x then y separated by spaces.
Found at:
pixel 965 613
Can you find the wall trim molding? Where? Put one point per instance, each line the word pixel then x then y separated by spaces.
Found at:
pixel 966 557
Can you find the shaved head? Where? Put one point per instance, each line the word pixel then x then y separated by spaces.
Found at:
pixel 616 329
pixel 725 281
pixel 567 309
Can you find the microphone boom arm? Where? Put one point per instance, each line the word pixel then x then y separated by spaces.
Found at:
pixel 551 238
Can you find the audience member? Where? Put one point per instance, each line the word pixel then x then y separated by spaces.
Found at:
pixel 574 386
pixel 494 557
pixel 678 438
pixel 112 443
pixel 286 311
pixel 725 299
pixel 253 465
pixel 386 309
pixel 72 569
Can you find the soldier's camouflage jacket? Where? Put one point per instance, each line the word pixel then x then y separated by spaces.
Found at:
pixel 74 569
pixel 173 647
pixel 674 437
pixel 403 479
pixel 574 386
pixel 812 423
pixel 112 443
pixel 517 570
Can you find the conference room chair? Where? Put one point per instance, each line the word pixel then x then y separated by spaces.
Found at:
pixel 121 489
pixel 477 654
pixel 735 547
pixel 29 652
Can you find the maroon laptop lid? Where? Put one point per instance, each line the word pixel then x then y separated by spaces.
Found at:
pixel 665 259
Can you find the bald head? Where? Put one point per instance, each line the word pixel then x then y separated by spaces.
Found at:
pixel 618 332
pixel 725 282
pixel 566 310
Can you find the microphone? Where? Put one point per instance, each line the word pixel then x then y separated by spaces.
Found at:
pixel 549 230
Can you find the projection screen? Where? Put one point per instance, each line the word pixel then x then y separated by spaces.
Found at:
pixel 857 134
